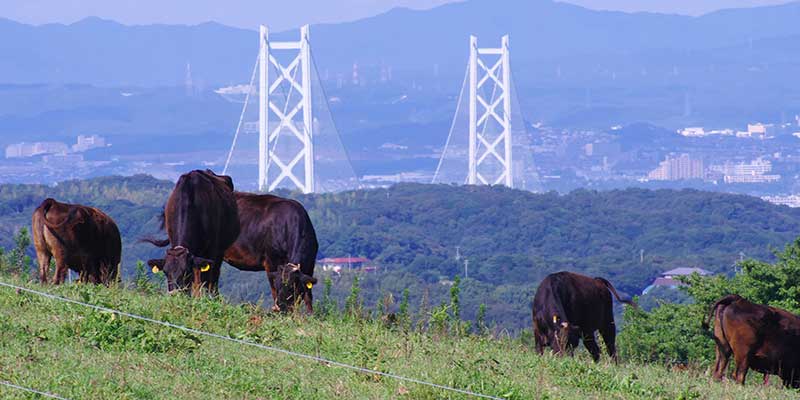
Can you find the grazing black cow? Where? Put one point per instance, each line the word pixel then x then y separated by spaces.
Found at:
pixel 277 237
pixel 80 238
pixel 763 338
pixel 202 221
pixel 568 307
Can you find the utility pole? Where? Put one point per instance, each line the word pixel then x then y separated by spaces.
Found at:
pixel 458 253
pixel 466 268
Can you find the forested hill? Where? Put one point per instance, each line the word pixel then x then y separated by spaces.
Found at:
pixel 511 238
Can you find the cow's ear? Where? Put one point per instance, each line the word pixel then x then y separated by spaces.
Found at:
pixel 203 264
pixel 308 281
pixel 156 265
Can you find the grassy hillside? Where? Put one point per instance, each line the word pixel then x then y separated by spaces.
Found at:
pixel 511 238
pixel 78 353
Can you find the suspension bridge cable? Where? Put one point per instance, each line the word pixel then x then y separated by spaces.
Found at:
pixel 241 116
pixel 452 125
pixel 333 121
pixel 34 391
pixel 249 343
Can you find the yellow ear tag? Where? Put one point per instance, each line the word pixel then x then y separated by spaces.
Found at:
pixel 206 268
pixel 155 269
pixel 309 285
pixel 555 319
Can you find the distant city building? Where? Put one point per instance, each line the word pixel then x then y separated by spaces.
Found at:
pixel 188 83
pixel 21 150
pixel 62 159
pixel 761 131
pixel 602 149
pixel 693 132
pixel 790 200
pixel 355 80
pixel 701 132
pixel 755 171
pixel 678 168
pixel 88 142
pixel 752 178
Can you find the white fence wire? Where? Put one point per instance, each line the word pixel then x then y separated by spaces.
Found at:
pixel 326 361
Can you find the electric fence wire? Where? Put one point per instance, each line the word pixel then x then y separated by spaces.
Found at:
pixel 249 343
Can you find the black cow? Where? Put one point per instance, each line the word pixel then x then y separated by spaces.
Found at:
pixel 568 307
pixel 202 221
pixel 277 237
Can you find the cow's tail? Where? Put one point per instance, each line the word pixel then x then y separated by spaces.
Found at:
pixel 71 218
pixel 155 242
pixel 162 221
pixel 614 292
pixel 725 301
pixel 47 204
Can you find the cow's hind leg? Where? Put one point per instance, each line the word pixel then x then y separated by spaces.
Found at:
pixel 61 272
pixel 590 343
pixel 266 264
pixel 43 258
pixel 609 334
pixel 721 362
pixel 742 365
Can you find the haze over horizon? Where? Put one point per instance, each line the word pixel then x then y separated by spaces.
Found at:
pixel 250 13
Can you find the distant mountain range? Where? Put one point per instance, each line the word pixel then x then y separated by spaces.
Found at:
pixel 550 41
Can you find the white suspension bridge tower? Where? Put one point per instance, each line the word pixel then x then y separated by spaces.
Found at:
pixel 286 120
pixel 298 144
pixel 488 145
pixel 482 146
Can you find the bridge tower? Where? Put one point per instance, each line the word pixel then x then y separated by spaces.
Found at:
pixel 292 117
pixel 490 66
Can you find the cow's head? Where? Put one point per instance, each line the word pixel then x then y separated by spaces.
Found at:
pixel 291 285
pixel 180 267
pixel 562 332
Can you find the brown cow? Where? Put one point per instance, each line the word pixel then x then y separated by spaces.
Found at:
pixel 202 221
pixel 759 337
pixel 80 238
pixel 277 237
pixel 568 307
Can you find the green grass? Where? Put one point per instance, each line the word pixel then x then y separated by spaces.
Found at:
pixel 78 353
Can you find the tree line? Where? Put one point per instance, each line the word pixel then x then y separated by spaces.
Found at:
pixel 511 239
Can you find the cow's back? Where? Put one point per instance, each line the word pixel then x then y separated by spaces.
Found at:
pixel 83 238
pixel 581 300
pixel 585 300
pixel 201 214
pixel 276 226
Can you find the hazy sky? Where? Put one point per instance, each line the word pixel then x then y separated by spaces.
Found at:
pixel 282 14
